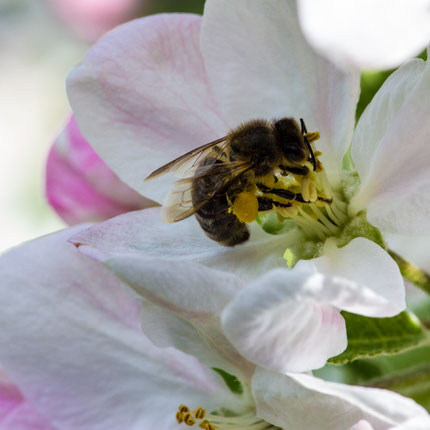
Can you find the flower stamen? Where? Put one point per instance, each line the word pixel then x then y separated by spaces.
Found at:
pixel 218 421
pixel 305 198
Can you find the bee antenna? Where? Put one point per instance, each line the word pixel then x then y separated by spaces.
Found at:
pixel 304 131
pixel 303 125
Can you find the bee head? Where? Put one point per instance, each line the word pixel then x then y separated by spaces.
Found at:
pixel 291 140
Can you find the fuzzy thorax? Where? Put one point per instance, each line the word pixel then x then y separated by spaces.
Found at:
pixel 303 195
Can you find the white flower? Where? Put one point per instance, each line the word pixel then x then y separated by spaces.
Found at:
pixel 366 33
pixel 71 342
pixel 284 319
pixel 157 87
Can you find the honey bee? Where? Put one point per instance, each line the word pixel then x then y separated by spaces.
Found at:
pixel 226 181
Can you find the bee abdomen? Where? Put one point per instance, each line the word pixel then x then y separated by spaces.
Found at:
pixel 222 226
pixel 214 216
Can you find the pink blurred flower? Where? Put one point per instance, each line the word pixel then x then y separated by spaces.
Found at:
pixel 91 18
pixel 80 186
pixel 16 412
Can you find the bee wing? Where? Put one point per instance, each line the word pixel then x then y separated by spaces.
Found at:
pixel 178 204
pixel 186 162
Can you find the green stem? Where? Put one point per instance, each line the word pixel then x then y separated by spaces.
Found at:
pixel 412 273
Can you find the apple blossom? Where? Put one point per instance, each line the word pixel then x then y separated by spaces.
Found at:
pixel 79 185
pixel 366 33
pixel 71 341
pixel 157 87
pixel 284 319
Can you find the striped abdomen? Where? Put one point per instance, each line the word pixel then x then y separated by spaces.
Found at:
pixel 214 216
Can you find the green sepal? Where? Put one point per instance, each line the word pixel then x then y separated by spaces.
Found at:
pixel 271 223
pixel 370 337
pixel 302 250
pixel 360 227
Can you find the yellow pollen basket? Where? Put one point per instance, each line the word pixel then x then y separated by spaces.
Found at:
pixel 245 206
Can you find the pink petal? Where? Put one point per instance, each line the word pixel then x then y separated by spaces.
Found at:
pixel 80 186
pixel 91 18
pixel 303 402
pixel 275 323
pixel 142 233
pixel 16 413
pixel 141 97
pixel 260 65
pixel 70 339
pixel 391 153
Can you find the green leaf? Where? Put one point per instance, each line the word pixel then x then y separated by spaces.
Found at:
pixel 230 380
pixel 370 337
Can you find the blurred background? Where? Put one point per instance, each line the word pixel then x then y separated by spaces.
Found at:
pixel 40 41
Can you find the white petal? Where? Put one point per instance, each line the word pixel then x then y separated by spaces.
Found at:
pixel 144 234
pixel 362 425
pixel 417 423
pixel 391 152
pixel 194 293
pixel 260 65
pixel 290 320
pixel 141 98
pixel 70 341
pixel 166 329
pixel 374 286
pixel 276 323
pixel 366 33
pixel 299 401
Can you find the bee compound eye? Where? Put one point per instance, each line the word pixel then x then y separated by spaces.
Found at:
pixel 294 153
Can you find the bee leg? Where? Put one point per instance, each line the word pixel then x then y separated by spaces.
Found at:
pixel 282 205
pixel 302 170
pixel 299 198
pixel 264 204
pixel 280 192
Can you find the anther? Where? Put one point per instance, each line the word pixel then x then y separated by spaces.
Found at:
pixel 313 195
pixel 188 419
pixel 312 136
pixel 199 413
pixel 206 425
pixel 179 417
pixel 183 408
pixel 306 189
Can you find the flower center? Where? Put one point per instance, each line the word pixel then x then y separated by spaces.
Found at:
pixel 218 421
pixel 301 194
